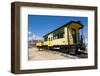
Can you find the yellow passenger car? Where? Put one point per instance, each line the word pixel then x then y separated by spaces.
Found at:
pixel 65 37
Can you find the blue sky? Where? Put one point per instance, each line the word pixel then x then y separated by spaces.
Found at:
pixel 40 25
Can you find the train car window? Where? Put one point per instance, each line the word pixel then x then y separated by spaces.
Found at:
pixel 56 37
pixel 61 35
pixel 49 39
pixel 53 38
pixel 45 39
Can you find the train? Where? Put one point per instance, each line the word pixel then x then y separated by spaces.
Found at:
pixel 66 38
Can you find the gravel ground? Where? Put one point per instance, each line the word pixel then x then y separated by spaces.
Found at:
pixel 35 54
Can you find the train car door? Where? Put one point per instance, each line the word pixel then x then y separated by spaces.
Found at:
pixel 50 42
pixel 74 35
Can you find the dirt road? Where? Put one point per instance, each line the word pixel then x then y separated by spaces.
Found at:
pixel 35 54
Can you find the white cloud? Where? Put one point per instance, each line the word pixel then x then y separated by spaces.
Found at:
pixel 29 38
pixel 34 37
pixel 39 38
pixel 29 32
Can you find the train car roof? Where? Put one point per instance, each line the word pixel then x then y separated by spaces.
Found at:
pixel 66 24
